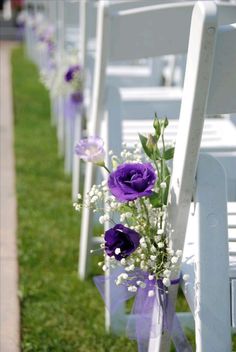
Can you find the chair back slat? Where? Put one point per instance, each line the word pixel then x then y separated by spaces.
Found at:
pixel 222 92
pixel 197 77
pixel 126 28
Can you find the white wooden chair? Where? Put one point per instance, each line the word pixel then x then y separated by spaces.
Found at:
pixel 120 73
pixel 176 39
pixel 209 88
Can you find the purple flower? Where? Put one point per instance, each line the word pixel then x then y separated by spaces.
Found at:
pixel 77 97
pixel 120 241
pixel 131 181
pixel 71 72
pixel 91 149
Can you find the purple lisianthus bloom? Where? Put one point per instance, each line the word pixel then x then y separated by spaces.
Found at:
pixel 71 72
pixel 132 181
pixel 120 241
pixel 77 97
pixel 91 149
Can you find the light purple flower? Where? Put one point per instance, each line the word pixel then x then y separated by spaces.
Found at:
pixel 91 149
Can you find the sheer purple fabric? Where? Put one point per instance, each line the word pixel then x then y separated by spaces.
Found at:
pixel 71 108
pixel 150 316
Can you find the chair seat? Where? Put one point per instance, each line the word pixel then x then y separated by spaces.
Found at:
pixel 128 70
pixel 218 135
pixel 189 265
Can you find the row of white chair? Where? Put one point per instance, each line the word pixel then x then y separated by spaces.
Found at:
pixel 118 115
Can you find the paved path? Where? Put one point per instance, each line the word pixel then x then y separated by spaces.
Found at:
pixel 9 304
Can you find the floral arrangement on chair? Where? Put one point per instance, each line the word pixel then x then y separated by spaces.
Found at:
pixel 133 200
pixel 66 80
pixel 136 189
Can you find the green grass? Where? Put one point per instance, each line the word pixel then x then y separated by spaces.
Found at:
pixel 59 313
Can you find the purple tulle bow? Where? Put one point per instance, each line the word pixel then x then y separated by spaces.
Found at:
pixel 72 106
pixel 150 315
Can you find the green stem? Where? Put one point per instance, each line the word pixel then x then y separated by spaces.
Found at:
pixel 106 168
pixel 145 210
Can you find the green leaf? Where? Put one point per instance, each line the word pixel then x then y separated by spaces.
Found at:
pixel 143 141
pixel 151 153
pixel 155 200
pixel 169 153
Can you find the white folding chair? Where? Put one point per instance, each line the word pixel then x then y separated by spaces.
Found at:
pixel 122 73
pixel 116 41
pixel 211 60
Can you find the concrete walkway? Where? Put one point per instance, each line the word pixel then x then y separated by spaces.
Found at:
pixel 9 304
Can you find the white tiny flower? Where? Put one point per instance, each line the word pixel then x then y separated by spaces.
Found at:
pixel 123 261
pixel 104 268
pixel 110 152
pixel 179 253
pixel 160 232
pixel 166 282
pixel 160 244
pixel 101 219
pixel 150 277
pixel 170 251
pixel 163 185
pixel 117 251
pixel 151 293
pixel 132 288
pixel 79 196
pixel 94 199
pixel 143 245
pixel 142 264
pixel 186 277
pixel 153 249
pixel 174 260
pixel 141 284
pixel 113 205
pixel 157 238
pixel 106 217
pixel 104 183
pixel 100 263
pixel 122 217
pixel 142 256
pixel 153 257
pixel 124 276
pixel 167 273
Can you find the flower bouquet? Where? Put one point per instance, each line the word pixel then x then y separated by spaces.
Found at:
pixel 133 206
pixel 65 79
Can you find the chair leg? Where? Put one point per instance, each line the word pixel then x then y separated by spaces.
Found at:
pixel 86 224
pixel 212 289
pixel 68 136
pixel 76 160
pixel 60 127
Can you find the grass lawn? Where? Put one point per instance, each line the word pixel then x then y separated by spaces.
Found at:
pixel 59 313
